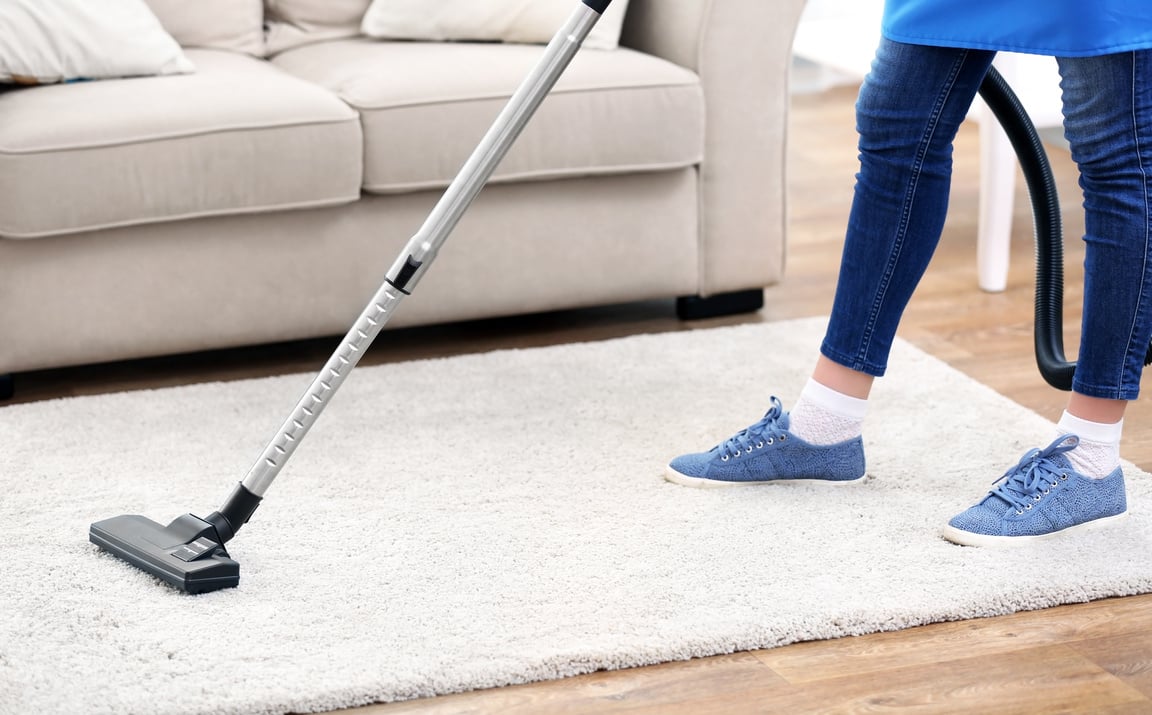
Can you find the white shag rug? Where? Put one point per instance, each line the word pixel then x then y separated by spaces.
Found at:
pixel 501 518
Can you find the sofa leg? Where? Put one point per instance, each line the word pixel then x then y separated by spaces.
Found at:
pixel 7 386
pixel 694 307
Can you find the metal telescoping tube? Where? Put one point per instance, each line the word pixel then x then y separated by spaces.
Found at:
pixel 316 397
pixel 421 249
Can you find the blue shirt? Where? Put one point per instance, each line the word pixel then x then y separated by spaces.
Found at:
pixel 1063 28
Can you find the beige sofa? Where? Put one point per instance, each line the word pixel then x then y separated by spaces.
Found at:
pixel 263 197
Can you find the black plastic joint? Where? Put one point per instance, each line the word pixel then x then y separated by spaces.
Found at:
pixel 235 513
pixel 400 282
pixel 598 5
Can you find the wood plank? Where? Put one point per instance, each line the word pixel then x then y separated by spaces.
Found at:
pixel 1038 680
pixel 945 642
pixel 658 688
pixel 1126 655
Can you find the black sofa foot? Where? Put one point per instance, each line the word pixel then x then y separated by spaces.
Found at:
pixel 694 307
pixel 7 386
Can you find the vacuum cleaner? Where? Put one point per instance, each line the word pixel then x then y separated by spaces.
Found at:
pixel 189 552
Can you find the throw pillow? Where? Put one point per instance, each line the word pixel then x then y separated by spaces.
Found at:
pixel 49 41
pixel 528 21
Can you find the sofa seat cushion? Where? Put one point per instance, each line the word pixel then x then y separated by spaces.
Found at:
pixel 425 106
pixel 237 136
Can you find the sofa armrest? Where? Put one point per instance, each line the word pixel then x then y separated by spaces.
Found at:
pixel 742 51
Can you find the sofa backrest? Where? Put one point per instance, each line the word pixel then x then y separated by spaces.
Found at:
pixel 236 25
pixel 299 22
pixel 258 27
pixel 268 27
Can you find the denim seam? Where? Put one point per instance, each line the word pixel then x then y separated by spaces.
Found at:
pixel 1143 293
pixel 909 200
pixel 1107 392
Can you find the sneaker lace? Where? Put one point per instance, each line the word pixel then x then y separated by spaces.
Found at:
pixel 766 431
pixel 1035 475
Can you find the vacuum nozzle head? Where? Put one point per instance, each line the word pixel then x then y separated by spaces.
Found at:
pixel 188 553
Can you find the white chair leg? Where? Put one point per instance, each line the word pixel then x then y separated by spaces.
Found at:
pixel 997 200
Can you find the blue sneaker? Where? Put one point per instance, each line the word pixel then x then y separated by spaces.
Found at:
pixel 1041 497
pixel 766 453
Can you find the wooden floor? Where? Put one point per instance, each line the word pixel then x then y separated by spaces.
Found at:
pixel 1090 658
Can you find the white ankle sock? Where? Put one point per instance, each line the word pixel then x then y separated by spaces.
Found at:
pixel 1098 453
pixel 822 415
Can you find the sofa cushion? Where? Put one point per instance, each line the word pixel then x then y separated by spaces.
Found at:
pixel 530 21
pixel 425 107
pixel 292 23
pixel 236 25
pixel 237 136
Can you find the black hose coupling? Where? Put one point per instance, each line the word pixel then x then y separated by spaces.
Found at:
pixel 235 513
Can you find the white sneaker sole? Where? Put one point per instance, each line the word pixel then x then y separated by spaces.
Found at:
pixel 968 538
pixel 672 475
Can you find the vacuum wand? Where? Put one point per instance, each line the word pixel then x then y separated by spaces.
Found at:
pixel 189 553
pixel 414 260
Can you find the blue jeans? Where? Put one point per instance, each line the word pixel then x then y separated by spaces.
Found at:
pixel 909 110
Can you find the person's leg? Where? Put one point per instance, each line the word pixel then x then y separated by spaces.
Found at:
pixel 1108 124
pixel 909 109
pixel 1109 127
pixel 908 113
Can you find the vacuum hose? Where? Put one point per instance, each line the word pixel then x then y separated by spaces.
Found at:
pixel 1049 235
